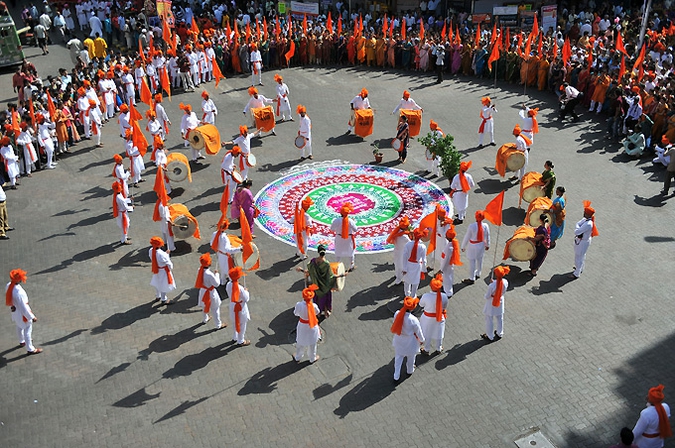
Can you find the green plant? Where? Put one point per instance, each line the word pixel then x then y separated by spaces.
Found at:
pixel 445 149
pixel 376 151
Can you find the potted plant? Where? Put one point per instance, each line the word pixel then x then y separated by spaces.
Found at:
pixel 377 153
pixel 445 149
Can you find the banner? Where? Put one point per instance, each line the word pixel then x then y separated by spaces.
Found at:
pixel 549 17
pixel 164 11
pixel 300 9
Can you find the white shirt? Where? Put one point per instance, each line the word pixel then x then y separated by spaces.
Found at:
pixel 305 127
pixel 257 103
pixel 490 310
pixel 360 103
pixel 408 104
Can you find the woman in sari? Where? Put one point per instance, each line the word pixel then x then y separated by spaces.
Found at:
pixel 542 242
pixel 244 199
pixel 548 178
pixel 558 210
pixel 321 274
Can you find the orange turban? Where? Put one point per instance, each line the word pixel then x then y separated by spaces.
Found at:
pixel 158 98
pixel 243 130
pixel 205 260
pixel 301 109
pixel 124 108
pixel 23 125
pixel 420 233
pixel 92 103
pixel 110 75
pixel 128 133
pixel 81 91
pixel 205 94
pixel 364 93
pixel 463 181
pixel 308 296
pixel 235 273
pixel 117 158
pixel 306 203
pixel 464 166
pixel 664 140
pixel 16 276
pixel 138 61
pixel 156 242
pixel 485 100
pixel 40 118
pixel 500 272
pixel 406 94
pixel 409 304
pixel 591 211
pixel 516 130
pixel 433 125
pixel 278 78
pixel 402 229
pixel 157 141
pixel 151 114
pixel 252 91
pixel 116 187
pixel 451 233
pixel 346 209
pixel 655 397
pixel 185 107
pixel 86 83
pixel 4 141
pixel 532 113
pixel 236 150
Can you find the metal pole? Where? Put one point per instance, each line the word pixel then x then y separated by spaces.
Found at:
pixel 643 28
pixel 494 258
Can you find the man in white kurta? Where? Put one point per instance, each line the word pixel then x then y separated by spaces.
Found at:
pixel 243 141
pixel 220 244
pixel 450 249
pixel 408 336
pixel 120 174
pixel 308 332
pixel 584 231
pixel 649 430
pixel 10 160
pixel 25 142
pixel 493 310
pixel 522 145
pixel 227 167
pixel 108 89
pixel 121 209
pixel 137 166
pixel 399 237
pixel 22 314
pixel 128 83
pixel 209 109
pixel 283 103
pixel 162 271
pixel 305 130
pixel 406 103
pixel 162 116
pixel 239 314
pixel 434 161
pixel 256 102
pixel 165 226
pixel 188 122
pixel 459 191
pixel 124 120
pixel 359 102
pixel 487 121
pixel 415 263
pixel 476 242
pixel 345 236
pixel 433 318
pixel 44 138
pixel 528 122
pixel 256 66
pixel 209 299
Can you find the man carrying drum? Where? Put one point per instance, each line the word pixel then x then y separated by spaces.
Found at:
pixel 359 102
pixel 243 141
pixel 256 101
pixel 305 131
pixel 406 103
pixel 227 171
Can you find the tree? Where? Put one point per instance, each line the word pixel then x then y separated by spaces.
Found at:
pixel 445 149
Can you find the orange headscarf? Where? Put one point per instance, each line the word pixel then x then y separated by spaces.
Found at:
pixel 409 304
pixel 252 91
pixel 518 133
pixel 463 168
pixel 185 107
pixel 222 226
pixel 655 397
pixel 156 242
pixel 243 130
pixel 205 262
pixel 124 108
pixel 300 224
pixel 406 94
pixel 235 274
pixel 401 230
pixel 236 150
pixel 308 296
pixel 364 93
pixel 479 215
pixel 278 78
pixel 417 235
pixel 485 101
pixel 16 276
pixel 205 94
pixel 301 109
pixel 532 113
pixel 500 272
pixel 591 211
pixel 345 210
pixel 452 235
pixel 436 286
pixel 117 188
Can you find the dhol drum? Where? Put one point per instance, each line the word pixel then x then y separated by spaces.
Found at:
pixel 300 142
pixel 414 121
pixel 184 225
pixel 252 259
pixel 397 144
pixel 509 159
pixel 177 167
pixel 209 139
pixel 250 160
pixel 537 207
pixel 364 122
pixel 339 273
pixel 195 138
pixel 264 118
pixel 519 247
pixel 237 177
pixel 530 186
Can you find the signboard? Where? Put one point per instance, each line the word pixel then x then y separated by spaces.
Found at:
pixel 527 19
pixel 549 17
pixel 505 10
pixel 480 18
pixel 300 9
pixel 164 11
pixel 282 8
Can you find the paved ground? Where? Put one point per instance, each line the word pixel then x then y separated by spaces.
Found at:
pixel 576 361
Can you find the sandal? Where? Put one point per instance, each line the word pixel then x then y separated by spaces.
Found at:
pixel 36 351
pixel 245 343
pixel 486 338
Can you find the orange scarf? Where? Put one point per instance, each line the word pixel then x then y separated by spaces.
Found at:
pixel 455 258
pixel 311 315
pixel 665 430
pixel 528 142
pixel 464 182
pixel 234 298
pixel 199 282
pixel 345 227
pixel 9 294
pixel 439 306
pixel 116 210
pixel 395 234
pixel 300 225
pixel 155 265
pixel 216 241
pixel 479 231
pixel 497 297
pixel 413 254
pixel 535 125
pixel 594 232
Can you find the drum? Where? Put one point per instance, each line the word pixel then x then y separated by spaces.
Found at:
pixel 177 167
pixel 184 225
pixel 509 158
pixel 396 144
pixel 250 160
pixel 339 273
pixel 414 121
pixel 264 118
pixel 515 161
pixel 518 247
pixel 530 186
pixel 210 139
pixel 252 260
pixel 364 122
pixel 195 138
pixel 537 207
pixel 300 142
pixel 237 177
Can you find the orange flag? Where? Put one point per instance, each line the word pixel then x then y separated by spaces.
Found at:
pixel 228 30
pixel 339 26
pixel 449 32
pixel 236 31
pixel 329 24
pixel 289 54
pixel 223 203
pixel 246 239
pixel 528 47
pixel 159 187
pixel 535 27
pixel 640 59
pixel 216 71
pixel 140 51
pixel 622 68
pixel 304 24
pixel 31 112
pixel 257 27
pixel 146 96
pixel 384 26
pixel 540 47
pixel 134 114
pixel 403 29
pixel 444 31
pixel 277 29
pixel 360 25
pixel 265 32
pixel 139 139
pixel 477 38
pixel 619 44
pixel 494 33
pixel 493 211
pixel 555 49
pixel 164 81
pixel 356 29
pixel 151 45
pixel 248 33
pixel 507 39
pixel 421 29
pixel 194 28
pixel 430 222
pixel 166 31
pixel 50 106
pixel 566 51
pixel 174 43
pixel 494 55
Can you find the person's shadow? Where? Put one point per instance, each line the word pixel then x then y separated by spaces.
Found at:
pixel 368 392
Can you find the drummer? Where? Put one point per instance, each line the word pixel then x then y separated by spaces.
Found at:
pixel 528 119
pixel 189 122
pixel 283 103
pixel 359 102
pixel 256 101
pixel 227 171
pixel 305 131
pixel 321 274
pixel 345 230
pixel 159 156
pixel 406 103
pixel 209 109
pixel 243 140
pixel 162 215
pixel 162 117
pixel 522 145
pixel 220 244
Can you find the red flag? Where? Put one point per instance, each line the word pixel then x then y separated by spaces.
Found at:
pixel 146 96
pixel 493 211
pixel 166 31
pixel 138 138
pixel 194 28
pixel 430 222
pixel 403 29
pixel 277 28
pixel 248 32
pixel 477 38
pixel 257 28
pixel 622 68
pixel 216 71
pixel 246 239
pixel 164 81
pixel 540 47
pixel 519 45
pixel 329 24
pixel 444 31
pixel 421 29
pixel 535 27
pixel 265 32
pixel 458 39
pixel 304 24
pixel 228 30
pixel 50 106
pixel 494 33
pixel 289 54
pixel 384 26
pixel 339 25
pixel 134 114
pixel 494 55
pixel 640 59
pixel 566 51
pixel 619 44
pixel 360 25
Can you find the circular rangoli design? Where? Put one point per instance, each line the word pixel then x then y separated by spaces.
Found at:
pixel 379 196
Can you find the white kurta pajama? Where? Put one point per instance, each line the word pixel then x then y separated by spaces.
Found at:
pixel 283 103
pixel 433 330
pixel 225 251
pixel 306 337
pixel 447 269
pixel 244 315
pixel 582 241
pixel 399 261
pixel 137 166
pixel 244 143
pixel 407 344
pixel 22 316
pixel 358 103
pixel 521 145
pixel 122 218
pixel 475 249
pixel 344 247
pixel 165 227
pixel 648 423
pixel 187 123
pixel 163 119
pixel 413 269
pixel 160 280
pixel 227 167
pixel 45 141
pixel 494 313
pixel 209 111
pixel 11 162
pixel 25 140
pixel 256 68
pixel 305 130
pixel 256 103
pixel 211 281
pixel 526 124
pixel 487 118
pixel 460 200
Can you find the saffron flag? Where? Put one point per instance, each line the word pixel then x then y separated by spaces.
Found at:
pixel 139 139
pixel 477 38
pixel 339 26
pixel 384 26
pixel 248 32
pixel 304 24
pixel 216 71
pixel 535 27
pixel 265 32
pixel 246 239
pixel 146 96
pixel 257 29
pixel 329 24
pixel 493 211
pixel 421 29
pixel 289 54
pixel 277 28
pixel 494 33
pixel 134 114
pixel 622 68
pixel 619 44
pixel 640 59
pixel 430 222
pixel 164 81
pixel 166 31
pixel 494 55
pixel 50 106
pixel 444 31
pixel 566 51
pixel 194 28
pixel 403 27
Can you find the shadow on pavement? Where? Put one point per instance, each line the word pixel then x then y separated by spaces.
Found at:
pixel 555 284
pixel 658 200
pixel 82 256
pixel 277 268
pixel 265 381
pixel 368 392
pixel 494 186
pixel 192 363
pixel 97 192
pixel 114 371
pixel 281 325
pixel 91 220
pixel 138 398
pixel 135 258
pixel 278 167
pixel 180 409
pixel 459 353
pixel 170 342
pixel 65 338
pixel 371 296
pixel 326 389
pixel 121 320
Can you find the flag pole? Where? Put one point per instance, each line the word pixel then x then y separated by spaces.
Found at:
pixel 494 258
